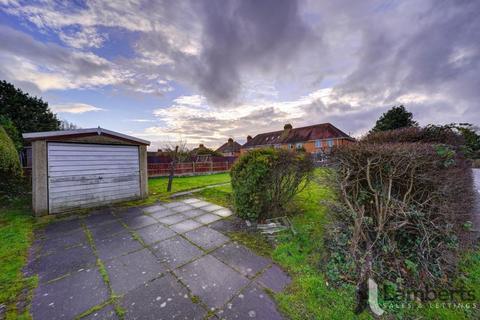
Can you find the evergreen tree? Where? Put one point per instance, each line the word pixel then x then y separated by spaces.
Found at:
pixel 395 118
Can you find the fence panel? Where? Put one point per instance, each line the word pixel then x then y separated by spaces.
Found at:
pixel 188 168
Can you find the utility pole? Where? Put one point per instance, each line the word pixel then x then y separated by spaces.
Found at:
pixel 172 170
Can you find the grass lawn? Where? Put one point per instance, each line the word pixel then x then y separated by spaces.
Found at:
pixel 16 232
pixel 158 186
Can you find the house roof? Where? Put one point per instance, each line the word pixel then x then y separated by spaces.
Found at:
pixel 314 132
pixel 32 136
pixel 228 146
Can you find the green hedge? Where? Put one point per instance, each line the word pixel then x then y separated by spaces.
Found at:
pixel 265 180
pixel 10 168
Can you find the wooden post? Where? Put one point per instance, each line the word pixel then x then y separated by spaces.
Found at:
pixel 193 166
pixel 172 170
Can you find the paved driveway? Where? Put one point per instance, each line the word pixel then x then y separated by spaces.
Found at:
pixel 167 261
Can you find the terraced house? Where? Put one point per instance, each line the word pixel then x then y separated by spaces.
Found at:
pixel 318 139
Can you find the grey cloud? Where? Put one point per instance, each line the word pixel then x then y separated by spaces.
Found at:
pixel 432 50
pixel 246 35
pixel 20 44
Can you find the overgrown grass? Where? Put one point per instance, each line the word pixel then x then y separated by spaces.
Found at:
pixel 309 296
pixel 16 233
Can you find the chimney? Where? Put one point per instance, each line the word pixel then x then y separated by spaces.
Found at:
pixel 201 146
pixel 230 141
pixel 249 138
pixel 286 129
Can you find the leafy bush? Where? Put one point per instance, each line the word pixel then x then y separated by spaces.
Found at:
pixel 10 168
pixel 403 206
pixel 265 180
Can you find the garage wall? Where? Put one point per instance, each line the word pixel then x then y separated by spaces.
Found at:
pixel 40 179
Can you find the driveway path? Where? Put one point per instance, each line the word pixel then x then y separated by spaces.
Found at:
pixel 166 261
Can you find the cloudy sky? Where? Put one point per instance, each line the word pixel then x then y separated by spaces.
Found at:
pixel 203 71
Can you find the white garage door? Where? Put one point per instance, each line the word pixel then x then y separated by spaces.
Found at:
pixel 86 175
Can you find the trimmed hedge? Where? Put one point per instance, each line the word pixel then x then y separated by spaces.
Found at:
pixel 10 168
pixel 405 197
pixel 265 180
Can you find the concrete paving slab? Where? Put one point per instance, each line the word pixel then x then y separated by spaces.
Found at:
pixel 190 200
pixel 223 212
pixel 59 228
pixel 182 208
pixel 106 313
pixel 62 262
pixel 70 239
pixel 106 230
pixel 143 276
pixel 69 296
pixel 172 219
pixel 155 208
pixel 163 298
pixel 185 226
pixel 207 218
pixel 211 280
pixel 251 303
pixel 241 259
pixel 129 212
pixel 274 279
pixel 172 204
pixel 228 225
pixel 132 270
pixel 162 213
pixel 116 245
pixel 200 204
pixel 176 251
pixel 99 217
pixel 193 213
pixel 139 221
pixel 206 238
pixel 154 233
pixel 212 207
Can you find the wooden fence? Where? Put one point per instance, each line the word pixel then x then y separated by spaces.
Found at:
pixel 188 168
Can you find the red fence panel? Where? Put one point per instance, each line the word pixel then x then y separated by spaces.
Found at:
pixel 188 168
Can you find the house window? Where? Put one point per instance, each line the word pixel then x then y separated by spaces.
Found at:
pixel 290 146
pixel 318 143
pixel 299 145
pixel 277 146
pixel 330 143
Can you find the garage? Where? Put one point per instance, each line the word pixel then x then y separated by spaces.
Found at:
pixel 85 168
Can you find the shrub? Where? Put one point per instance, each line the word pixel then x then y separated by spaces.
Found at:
pixel 428 134
pixel 403 205
pixel 265 180
pixel 10 168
